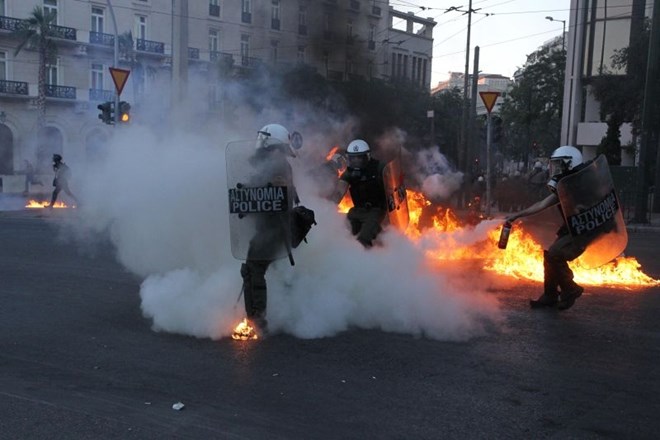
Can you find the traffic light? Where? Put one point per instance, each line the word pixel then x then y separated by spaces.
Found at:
pixel 106 112
pixel 124 112
pixel 497 130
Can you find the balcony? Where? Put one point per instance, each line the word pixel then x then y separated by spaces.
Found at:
pixel 214 10
pixel 63 32
pixel 101 39
pixel 61 92
pixel 14 87
pixel 221 56
pixel 9 24
pixel 150 46
pixel 193 53
pixel 249 61
pixel 101 95
pixel 246 17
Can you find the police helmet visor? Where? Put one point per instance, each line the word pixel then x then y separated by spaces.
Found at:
pixel 358 160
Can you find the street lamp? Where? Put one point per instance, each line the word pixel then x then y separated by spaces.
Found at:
pixel 563 31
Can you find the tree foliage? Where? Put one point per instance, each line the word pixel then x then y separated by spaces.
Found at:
pixel 621 96
pixel 37 32
pixel 531 112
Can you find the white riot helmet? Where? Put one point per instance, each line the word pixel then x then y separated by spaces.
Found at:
pixel 358 152
pixel 565 159
pixel 274 136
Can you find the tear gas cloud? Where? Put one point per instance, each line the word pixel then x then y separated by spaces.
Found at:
pixel 160 194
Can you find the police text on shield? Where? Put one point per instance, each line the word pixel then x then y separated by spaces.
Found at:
pixel 594 217
pixel 258 199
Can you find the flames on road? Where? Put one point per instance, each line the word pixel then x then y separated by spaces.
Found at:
pixel 244 331
pixel 523 257
pixel 35 204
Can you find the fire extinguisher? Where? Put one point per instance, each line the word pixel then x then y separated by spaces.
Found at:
pixel 504 235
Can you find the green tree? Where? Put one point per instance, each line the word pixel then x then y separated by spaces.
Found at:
pixel 38 32
pixel 621 96
pixel 531 111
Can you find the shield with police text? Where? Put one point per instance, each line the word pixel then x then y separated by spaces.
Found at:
pixel 260 195
pixel 592 212
pixel 395 193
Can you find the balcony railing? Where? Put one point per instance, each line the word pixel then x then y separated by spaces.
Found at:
pixel 221 56
pixel 193 53
pixel 63 32
pixel 249 61
pixel 63 92
pixel 101 95
pixel 101 38
pixel 9 24
pixel 149 46
pixel 13 87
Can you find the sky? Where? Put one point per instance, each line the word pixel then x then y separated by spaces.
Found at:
pixel 514 29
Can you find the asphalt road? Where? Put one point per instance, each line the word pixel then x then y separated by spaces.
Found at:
pixel 78 361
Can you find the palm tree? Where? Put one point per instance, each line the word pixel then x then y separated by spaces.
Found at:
pixel 38 31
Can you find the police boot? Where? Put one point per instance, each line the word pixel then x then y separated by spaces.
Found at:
pixel 570 290
pixel 550 296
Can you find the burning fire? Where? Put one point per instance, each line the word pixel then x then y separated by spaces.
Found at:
pixel 523 257
pixel 244 331
pixel 45 204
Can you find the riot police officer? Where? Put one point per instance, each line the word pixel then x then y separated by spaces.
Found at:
pixel 564 161
pixel 364 176
pixel 61 180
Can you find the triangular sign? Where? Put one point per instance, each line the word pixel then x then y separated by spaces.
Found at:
pixel 119 76
pixel 489 99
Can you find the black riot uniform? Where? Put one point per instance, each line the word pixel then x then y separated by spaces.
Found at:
pixel 368 193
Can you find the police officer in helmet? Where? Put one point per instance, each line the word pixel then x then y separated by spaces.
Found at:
pixel 364 176
pixel 559 289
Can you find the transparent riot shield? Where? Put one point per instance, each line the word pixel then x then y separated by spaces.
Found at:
pixel 260 194
pixel 592 212
pixel 395 193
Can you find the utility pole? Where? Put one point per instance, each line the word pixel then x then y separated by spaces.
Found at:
pixel 115 62
pixel 649 116
pixel 473 109
pixel 464 122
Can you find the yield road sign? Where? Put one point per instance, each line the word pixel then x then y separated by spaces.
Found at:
pixel 119 77
pixel 489 99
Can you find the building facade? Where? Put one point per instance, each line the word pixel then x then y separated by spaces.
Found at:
pixel 597 29
pixel 167 43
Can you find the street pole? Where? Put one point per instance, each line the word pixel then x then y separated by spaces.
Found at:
pixel 563 36
pixel 650 98
pixel 488 145
pixel 115 61
pixel 464 122
pixel 473 109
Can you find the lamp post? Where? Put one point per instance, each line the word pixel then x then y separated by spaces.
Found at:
pixel 563 31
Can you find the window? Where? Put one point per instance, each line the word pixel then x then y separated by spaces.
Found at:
pixel 302 15
pixel 3 65
pixel 96 79
pixel 214 40
pixel 51 74
pixel 246 11
pixel 2 7
pixel 349 31
pixel 301 54
pixel 50 6
pixel 275 14
pixel 97 19
pixel 274 45
pixel 245 48
pixel 214 8
pixel 140 27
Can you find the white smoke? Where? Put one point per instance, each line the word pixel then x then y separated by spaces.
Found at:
pixel 438 179
pixel 161 196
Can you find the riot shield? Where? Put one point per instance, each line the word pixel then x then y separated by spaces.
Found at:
pixel 261 195
pixel 592 212
pixel 395 193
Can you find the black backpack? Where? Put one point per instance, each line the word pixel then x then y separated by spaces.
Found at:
pixel 302 220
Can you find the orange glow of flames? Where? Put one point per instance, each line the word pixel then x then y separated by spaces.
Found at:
pixel 332 152
pixel 244 331
pixel 523 257
pixel 33 204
